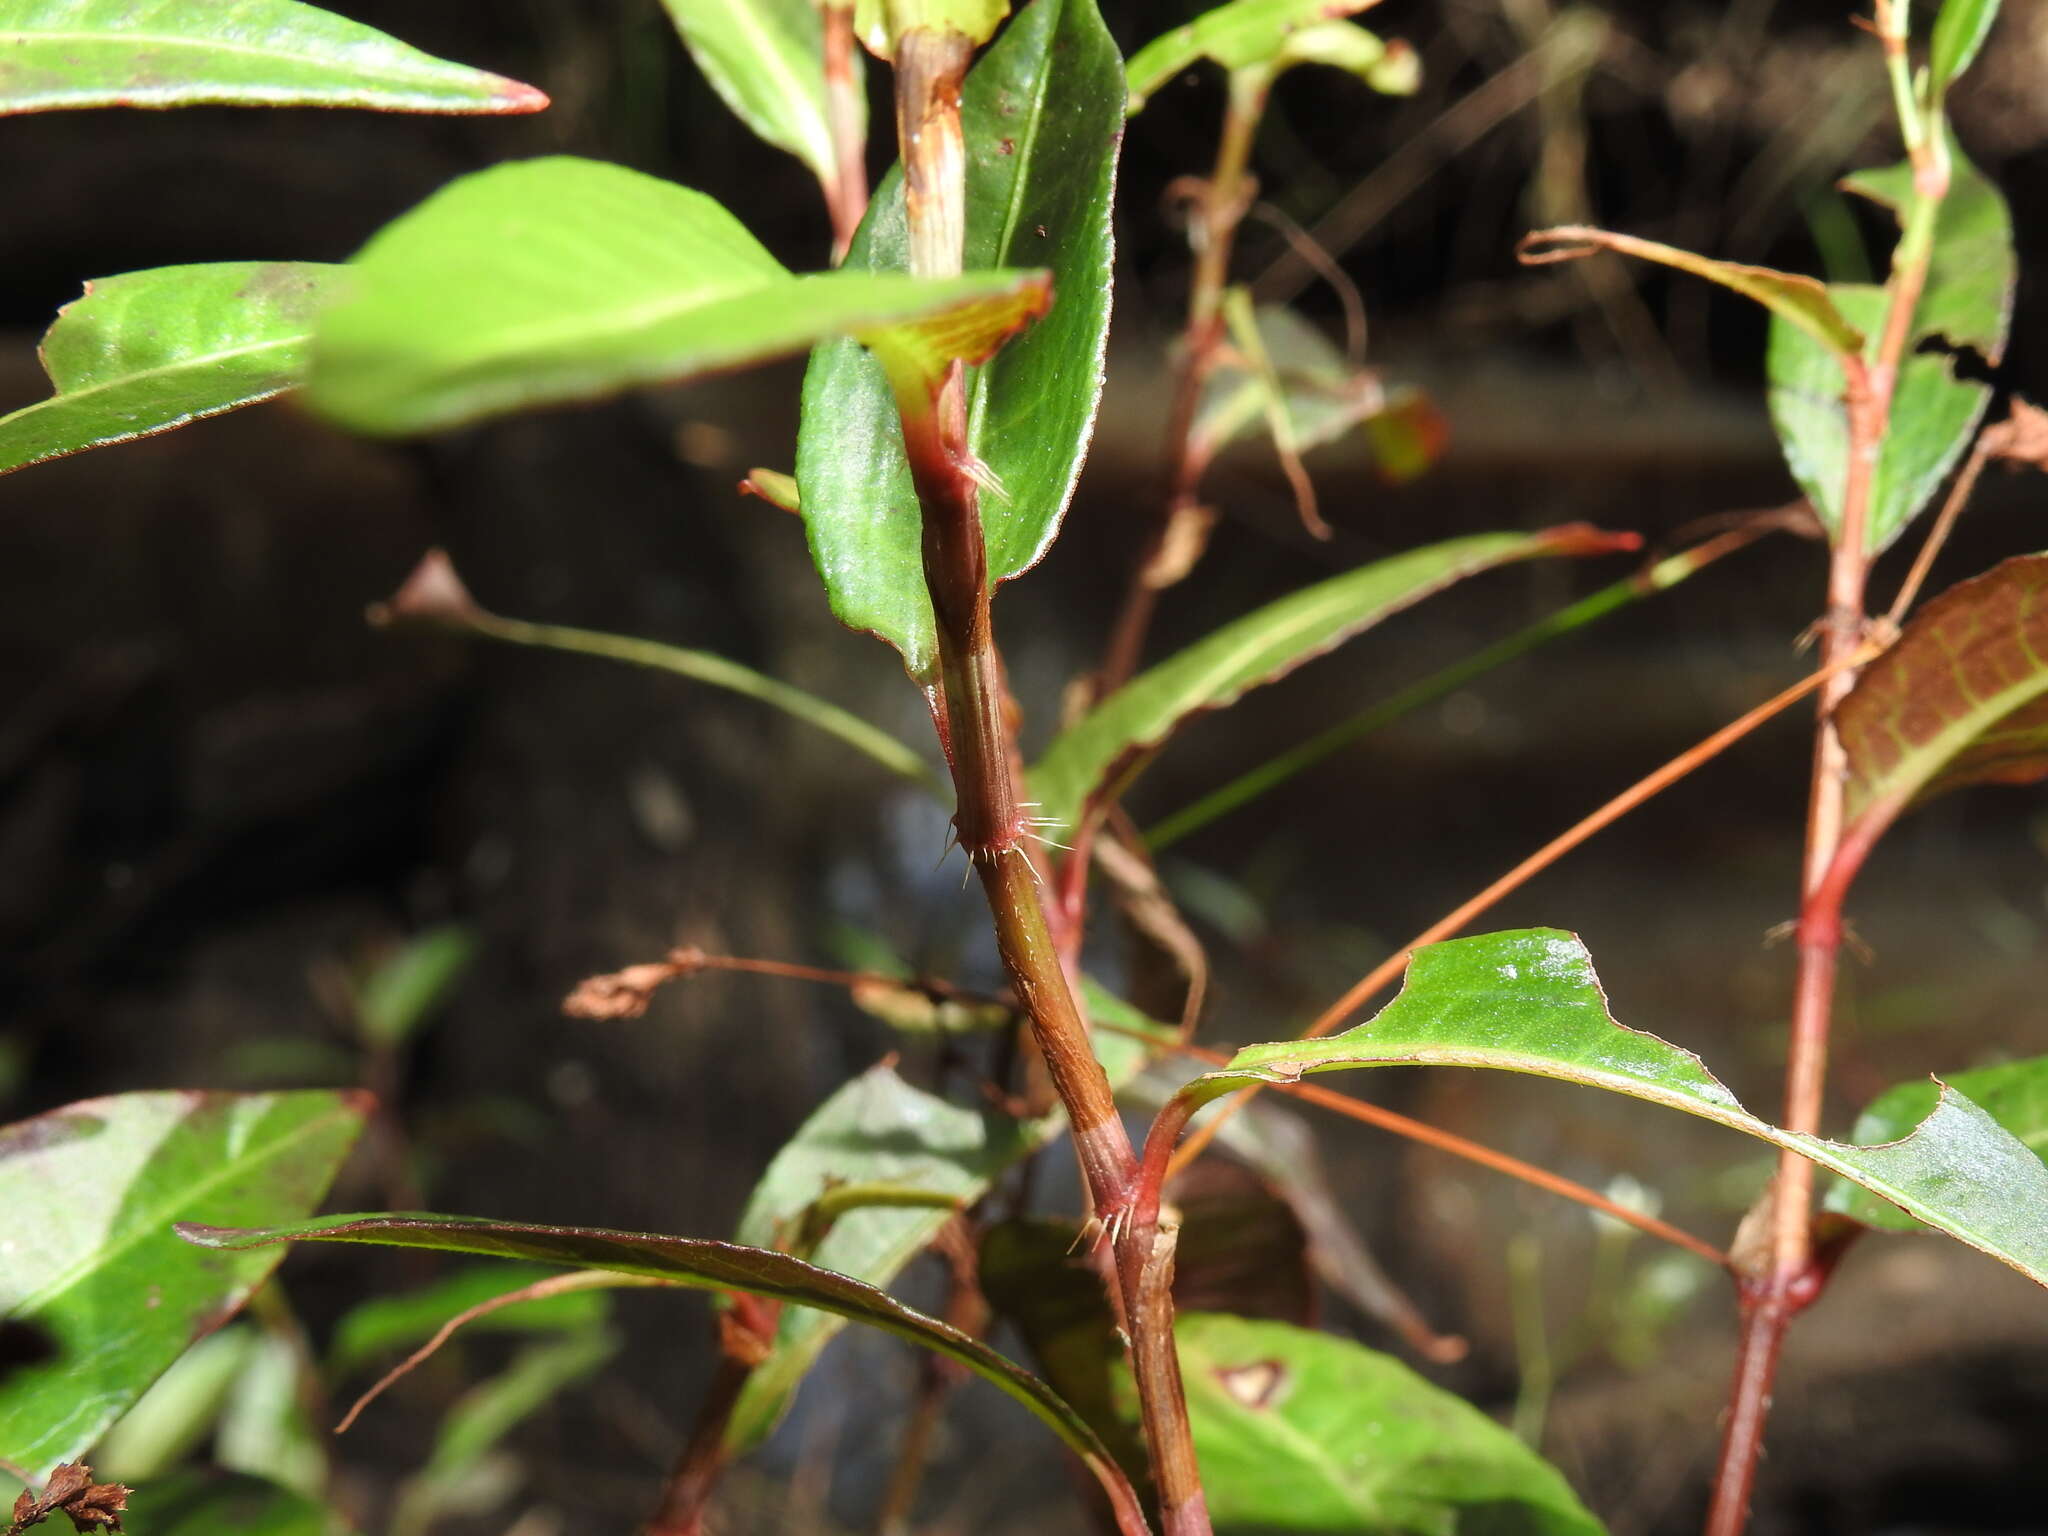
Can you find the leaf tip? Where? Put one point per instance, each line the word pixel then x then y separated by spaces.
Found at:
pixel 516 96
pixel 1584 539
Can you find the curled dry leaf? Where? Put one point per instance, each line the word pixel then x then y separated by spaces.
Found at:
pixel 71 1491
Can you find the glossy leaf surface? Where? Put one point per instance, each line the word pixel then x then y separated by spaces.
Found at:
pixel 554 280
pixel 2014 1093
pixel 227 1504
pixel 147 351
pixel 876 1129
pixel 766 59
pixel 1529 1002
pixel 1967 302
pixel 701 1264
pixel 1960 698
pixel 1266 644
pixel 256 53
pixel 1303 1431
pixel 93 1267
pixel 1043 122
pixel 1240 35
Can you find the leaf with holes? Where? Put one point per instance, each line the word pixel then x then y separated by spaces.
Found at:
pixel 96 1280
pixel 148 351
pixel 766 59
pixel 547 281
pixel 1967 302
pixel 2014 1093
pixel 701 1264
pixel 1960 698
pixel 1529 1002
pixel 1103 750
pixel 56 54
pixel 1301 1431
pixel 1043 120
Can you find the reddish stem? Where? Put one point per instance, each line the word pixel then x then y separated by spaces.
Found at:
pixel 846 193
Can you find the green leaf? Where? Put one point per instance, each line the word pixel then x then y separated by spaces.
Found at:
pixel 405 990
pixel 486 1414
pixel 877 1129
pixel 265 1428
pixel 1301 1431
pixel 147 351
pixel 1960 698
pixel 546 281
pixel 701 1264
pixel 1529 1002
pixel 93 1268
pixel 1241 35
pixel 251 53
pixel 766 59
pixel 1959 31
pixel 1043 123
pixel 2014 1093
pixel 383 1325
pixel 880 24
pixel 1967 302
pixel 226 1504
pixel 1118 735
pixel 1801 302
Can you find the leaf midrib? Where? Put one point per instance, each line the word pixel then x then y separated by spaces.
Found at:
pixel 65 397
pixel 426 69
pixel 159 1218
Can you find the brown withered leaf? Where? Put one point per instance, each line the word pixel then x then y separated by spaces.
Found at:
pixel 71 1491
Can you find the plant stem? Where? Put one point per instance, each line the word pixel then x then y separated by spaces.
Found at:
pixel 1215 218
pixel 930 69
pixel 687 1496
pixel 846 195
pixel 1793 1280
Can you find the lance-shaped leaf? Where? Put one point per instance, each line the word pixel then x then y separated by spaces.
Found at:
pixel 1301 1431
pixel 880 1129
pixel 702 1264
pixel 2014 1093
pixel 95 1277
pixel 563 279
pixel 1966 302
pixel 766 59
pixel 251 53
pixel 1801 302
pixel 1960 698
pixel 1529 1002
pixel 1270 642
pixel 1959 31
pixel 1241 35
pixel 1043 120
pixel 147 351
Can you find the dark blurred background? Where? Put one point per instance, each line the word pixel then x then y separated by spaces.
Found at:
pixel 219 789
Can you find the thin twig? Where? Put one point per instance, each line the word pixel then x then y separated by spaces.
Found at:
pixel 1951 509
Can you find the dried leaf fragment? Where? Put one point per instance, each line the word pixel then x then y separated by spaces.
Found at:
pixel 92 1506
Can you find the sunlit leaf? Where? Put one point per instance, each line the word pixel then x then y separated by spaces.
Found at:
pixel 147 351
pixel 2014 1093
pixel 1959 31
pixel 1302 1431
pixel 1240 35
pixel 1119 733
pixel 1967 302
pixel 1043 123
pixel 554 280
pixel 701 1264
pixel 93 1270
pixel 1801 302
pixel 1960 698
pixel 252 53
pixel 1529 1002
pixel 766 58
